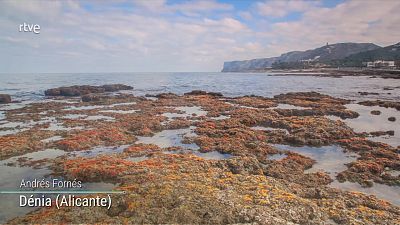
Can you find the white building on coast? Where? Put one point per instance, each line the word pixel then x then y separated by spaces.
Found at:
pixel 381 64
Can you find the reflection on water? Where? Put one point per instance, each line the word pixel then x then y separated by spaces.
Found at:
pixel 188 111
pixel 100 117
pixel 10 179
pixel 213 155
pixel 51 139
pixel 277 156
pixel 137 159
pixel 120 111
pixel 220 117
pixel 288 106
pixel 388 193
pixel 367 122
pixel 170 138
pixel 89 107
pixel 330 159
pixel 104 150
pixel 74 116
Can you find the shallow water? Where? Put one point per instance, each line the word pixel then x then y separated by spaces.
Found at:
pixel 120 111
pixel 221 117
pixel 137 159
pixel 74 116
pixel 100 117
pixel 330 159
pixel 51 139
pixel 188 111
pixel 385 192
pixel 170 138
pixel 32 86
pixel 368 122
pixel 100 150
pixel 10 179
pixel 269 129
pixel 278 156
pixel 213 155
pixel 89 107
pixel 288 106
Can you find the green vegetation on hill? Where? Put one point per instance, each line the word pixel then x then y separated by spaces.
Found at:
pixel 391 53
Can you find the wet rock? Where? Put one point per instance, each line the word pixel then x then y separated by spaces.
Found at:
pixel 116 87
pixel 392 119
pixel 367 93
pixel 376 112
pixel 199 92
pixel 386 104
pixel 381 133
pixel 4 98
pixel 375 157
pixel 91 98
pixel 167 96
pixel 79 90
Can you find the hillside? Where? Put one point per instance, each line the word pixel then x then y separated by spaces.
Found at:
pixel 391 52
pixel 324 54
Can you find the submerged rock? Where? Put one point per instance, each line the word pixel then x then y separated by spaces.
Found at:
pixel 199 92
pixel 375 112
pixel 4 98
pixel 91 98
pixel 79 90
pixel 386 104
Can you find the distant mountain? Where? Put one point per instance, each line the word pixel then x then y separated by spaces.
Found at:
pixel 324 54
pixel 391 52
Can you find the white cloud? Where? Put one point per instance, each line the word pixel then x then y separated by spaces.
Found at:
pixel 280 8
pixel 157 36
pixel 352 21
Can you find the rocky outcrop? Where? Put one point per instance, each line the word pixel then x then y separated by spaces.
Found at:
pixel 4 99
pixel 381 103
pixel 91 98
pixel 199 92
pixel 79 90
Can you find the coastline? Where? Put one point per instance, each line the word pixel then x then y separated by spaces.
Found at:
pixel 330 72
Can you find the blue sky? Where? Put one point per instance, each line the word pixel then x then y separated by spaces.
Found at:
pixel 162 35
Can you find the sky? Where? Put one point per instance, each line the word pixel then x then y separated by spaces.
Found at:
pixel 180 36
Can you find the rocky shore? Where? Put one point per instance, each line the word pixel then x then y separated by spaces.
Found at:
pixel 178 183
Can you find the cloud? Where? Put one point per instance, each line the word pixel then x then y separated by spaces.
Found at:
pixel 351 21
pixel 280 8
pixel 189 8
pixel 120 35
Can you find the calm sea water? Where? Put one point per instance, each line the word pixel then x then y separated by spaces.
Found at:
pixel 32 86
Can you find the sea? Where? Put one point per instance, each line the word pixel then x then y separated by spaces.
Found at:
pixel 29 87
